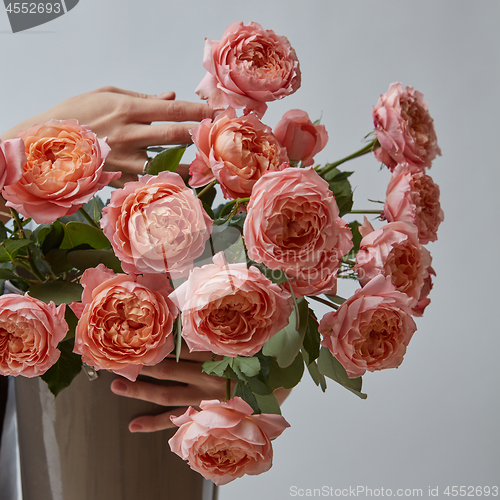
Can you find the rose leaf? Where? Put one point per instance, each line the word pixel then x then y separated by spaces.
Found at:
pixel 330 367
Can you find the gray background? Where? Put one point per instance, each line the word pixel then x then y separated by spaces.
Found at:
pixel 434 421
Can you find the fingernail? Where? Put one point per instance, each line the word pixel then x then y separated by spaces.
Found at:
pixel 136 428
pixel 164 95
pixel 119 387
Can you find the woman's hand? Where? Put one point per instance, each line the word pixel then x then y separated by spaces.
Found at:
pixel 197 386
pixel 126 118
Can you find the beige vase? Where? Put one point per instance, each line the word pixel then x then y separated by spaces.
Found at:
pixel 78 447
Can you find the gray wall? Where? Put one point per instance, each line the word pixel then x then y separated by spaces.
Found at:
pixel 434 421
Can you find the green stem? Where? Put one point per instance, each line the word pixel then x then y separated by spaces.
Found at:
pixel 368 148
pixel 238 201
pixel 228 389
pixel 323 301
pixel 19 224
pixel 88 218
pixel 206 188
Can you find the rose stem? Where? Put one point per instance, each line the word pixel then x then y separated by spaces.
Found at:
pixel 323 301
pixel 231 203
pixel 88 218
pixel 32 265
pixel 371 146
pixel 206 188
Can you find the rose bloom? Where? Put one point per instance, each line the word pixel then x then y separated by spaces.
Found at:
pixel 371 330
pixel 125 322
pixel 230 309
pixel 393 251
pixel 248 67
pixel 412 195
pixel 30 331
pixel 236 151
pixel 64 170
pixel 424 301
pixel 301 138
pixel 224 441
pixel 404 128
pixel 293 224
pixel 156 224
pixel 12 160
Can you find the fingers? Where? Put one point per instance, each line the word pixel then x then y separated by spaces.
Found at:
pixel 173 396
pixel 162 134
pixel 115 90
pixel 156 110
pixel 186 372
pixel 153 423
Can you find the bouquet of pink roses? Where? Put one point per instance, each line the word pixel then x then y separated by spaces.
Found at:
pixel 121 285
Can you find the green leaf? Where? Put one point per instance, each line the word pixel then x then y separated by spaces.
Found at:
pixel 318 378
pixel 208 197
pixel 3 231
pixel 49 236
pixel 79 233
pixel 243 391
pixel 216 367
pixel 178 337
pixel 341 188
pixel 57 260
pixel 10 248
pixel 69 365
pixel 166 160
pixel 268 404
pixel 97 206
pixel 311 342
pixel 246 367
pixel 72 321
pixel 59 292
pixel 336 299
pixel 331 368
pixel 285 345
pixel 285 377
pixel 356 239
pixel 7 274
pixel 85 259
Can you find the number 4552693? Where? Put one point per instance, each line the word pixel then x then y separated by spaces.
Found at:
pixel 33 8
pixel 471 491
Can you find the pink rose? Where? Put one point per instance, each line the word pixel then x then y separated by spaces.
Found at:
pixel 224 441
pixel 12 161
pixel 125 322
pixel 230 310
pixel 247 68
pixel 64 170
pixel 301 138
pixel 236 151
pixel 30 331
pixel 293 224
pixel 404 128
pixel 412 195
pixel 371 330
pixel 393 251
pixel 156 224
pixel 424 301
